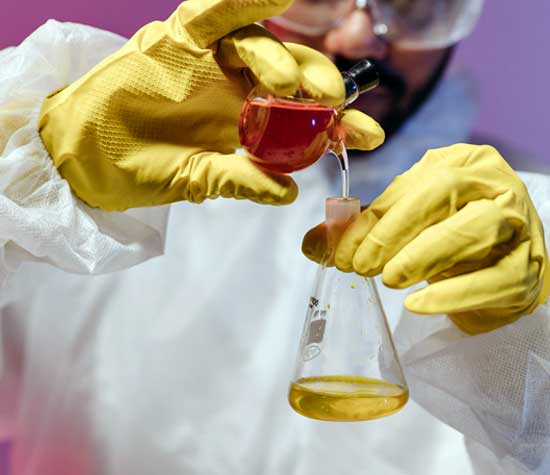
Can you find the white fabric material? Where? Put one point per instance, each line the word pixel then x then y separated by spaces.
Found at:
pixel 40 219
pixel 494 387
pixel 181 364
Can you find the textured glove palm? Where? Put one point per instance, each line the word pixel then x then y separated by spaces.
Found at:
pixel 462 220
pixel 156 122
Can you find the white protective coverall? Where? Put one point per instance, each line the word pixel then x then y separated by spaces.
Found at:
pixel 181 364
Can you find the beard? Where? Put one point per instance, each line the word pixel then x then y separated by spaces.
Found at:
pixel 392 103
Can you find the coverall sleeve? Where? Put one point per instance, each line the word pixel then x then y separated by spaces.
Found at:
pixel 40 218
pixel 493 387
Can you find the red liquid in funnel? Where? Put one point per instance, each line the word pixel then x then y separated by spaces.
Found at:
pixel 285 136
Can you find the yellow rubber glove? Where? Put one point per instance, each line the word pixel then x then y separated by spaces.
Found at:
pixel 462 220
pixel 157 121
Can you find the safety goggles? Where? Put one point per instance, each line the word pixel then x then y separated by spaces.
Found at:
pixel 414 24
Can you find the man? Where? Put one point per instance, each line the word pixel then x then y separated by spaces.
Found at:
pixel 181 364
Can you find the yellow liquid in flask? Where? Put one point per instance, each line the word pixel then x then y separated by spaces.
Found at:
pixel 346 398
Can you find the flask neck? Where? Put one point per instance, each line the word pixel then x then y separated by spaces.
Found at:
pixel 339 213
pixel 352 89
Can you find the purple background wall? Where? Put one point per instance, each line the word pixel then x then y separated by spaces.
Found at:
pixel 508 54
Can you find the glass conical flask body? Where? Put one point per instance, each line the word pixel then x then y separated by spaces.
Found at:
pixel 347 368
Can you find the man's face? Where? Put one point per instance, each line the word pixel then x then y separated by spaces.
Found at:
pixel 405 73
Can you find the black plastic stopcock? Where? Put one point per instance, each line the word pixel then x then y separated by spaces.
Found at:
pixel 365 75
pixel 361 77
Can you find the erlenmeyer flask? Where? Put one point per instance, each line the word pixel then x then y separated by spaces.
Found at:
pixel 347 368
